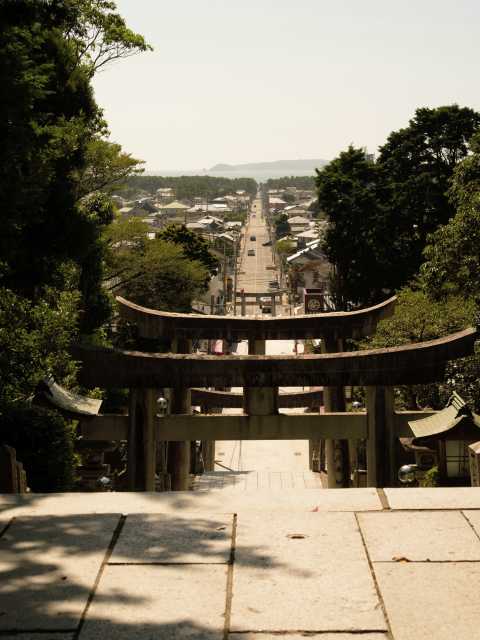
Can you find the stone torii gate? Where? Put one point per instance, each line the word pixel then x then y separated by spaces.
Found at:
pixel 145 374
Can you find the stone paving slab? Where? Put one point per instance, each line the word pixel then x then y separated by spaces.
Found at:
pixel 291 500
pixel 146 602
pixel 419 536
pixel 434 498
pixel 304 572
pixel 48 567
pixel 264 480
pixel 426 601
pixel 165 538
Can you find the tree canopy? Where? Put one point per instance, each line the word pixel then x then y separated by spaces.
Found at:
pixel 381 213
pixel 54 159
pixel 357 239
pixel 52 152
pixel 194 247
pixel 301 182
pixel 167 279
pixel 188 187
pixel 452 254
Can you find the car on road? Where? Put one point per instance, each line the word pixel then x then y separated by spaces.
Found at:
pixel 253 238
pixel 265 303
pixel 251 252
pixel 267 243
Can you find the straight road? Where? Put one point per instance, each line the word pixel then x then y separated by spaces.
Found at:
pixel 256 271
pixel 260 464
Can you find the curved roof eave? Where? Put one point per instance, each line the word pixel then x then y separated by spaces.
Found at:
pixel 152 323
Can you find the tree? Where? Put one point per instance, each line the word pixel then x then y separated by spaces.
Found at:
pixel 417 164
pixel 50 128
pixel 280 222
pixel 97 35
pixel 168 280
pixel 194 247
pixel 125 244
pixel 357 238
pixel 34 342
pixel 53 158
pixel 285 247
pixel 301 182
pixel 419 318
pixel 189 187
pixel 44 443
pixel 381 213
pixel 288 197
pixel 106 167
pixel 452 255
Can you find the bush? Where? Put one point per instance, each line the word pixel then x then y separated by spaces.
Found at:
pixel 43 440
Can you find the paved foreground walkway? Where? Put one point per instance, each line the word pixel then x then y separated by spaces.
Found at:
pixel 332 564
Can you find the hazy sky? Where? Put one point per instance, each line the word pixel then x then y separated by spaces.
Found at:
pixel 252 80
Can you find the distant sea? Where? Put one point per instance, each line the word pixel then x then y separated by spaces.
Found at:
pixel 256 174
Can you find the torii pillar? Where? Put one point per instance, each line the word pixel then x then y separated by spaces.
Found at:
pixel 336 451
pixel 178 462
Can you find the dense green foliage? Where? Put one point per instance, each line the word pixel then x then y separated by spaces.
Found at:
pixel 358 240
pixel 419 318
pixel 189 187
pixel 452 255
pixel 448 294
pixel 235 216
pixel 34 342
pixel 44 443
pixel 164 273
pixel 54 157
pixel 168 279
pixel 51 131
pixel 417 165
pixel 194 247
pixel 412 217
pixel 285 247
pixel 301 182
pixel 381 213
pixel 280 223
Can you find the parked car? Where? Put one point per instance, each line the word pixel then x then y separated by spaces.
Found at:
pixel 267 243
pixel 251 252
pixel 273 284
pixel 253 238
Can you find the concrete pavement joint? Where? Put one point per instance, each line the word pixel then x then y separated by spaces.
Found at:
pixel 108 555
pixel 374 577
pixel 229 590
pixel 164 564
pixel 470 524
pixel 310 632
pixel 382 496
pixel 6 527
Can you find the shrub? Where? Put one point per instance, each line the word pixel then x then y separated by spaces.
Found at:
pixel 43 440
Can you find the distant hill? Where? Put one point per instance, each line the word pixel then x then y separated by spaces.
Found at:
pixel 277 165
